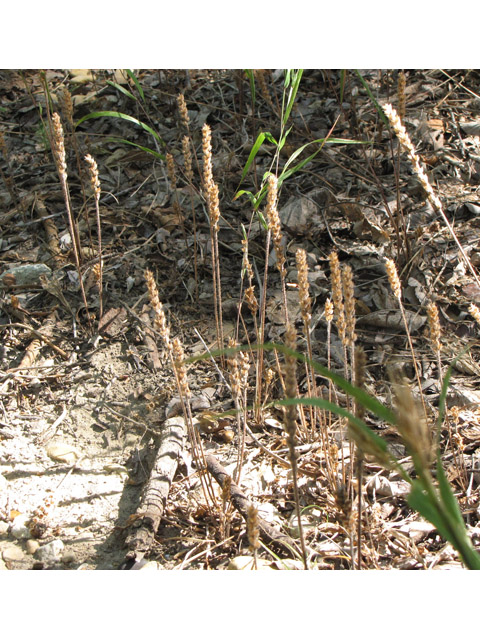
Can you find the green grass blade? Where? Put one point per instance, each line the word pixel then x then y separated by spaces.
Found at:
pixel 119 87
pixel 136 83
pixel 287 173
pixel 296 77
pixel 419 500
pixel 447 495
pixel 372 98
pixel 152 152
pixel 123 116
pixel 253 153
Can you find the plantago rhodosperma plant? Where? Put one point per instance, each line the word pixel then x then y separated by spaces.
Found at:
pixel 434 200
pixel 290 421
pixel 211 195
pixel 177 361
pixel 396 287
pixel 306 312
pixel 58 146
pixel 96 191
pixel 187 157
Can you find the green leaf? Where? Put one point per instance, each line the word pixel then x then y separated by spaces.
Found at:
pixel 372 98
pixel 253 153
pixel 419 500
pixel 296 77
pixel 152 152
pixel 119 87
pixel 123 116
pixel 136 82
pixel 448 496
pixel 286 174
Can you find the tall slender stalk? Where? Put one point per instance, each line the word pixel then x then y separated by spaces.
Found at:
pixel 96 190
pixel 58 147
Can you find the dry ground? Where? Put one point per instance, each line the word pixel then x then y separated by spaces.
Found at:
pixel 79 423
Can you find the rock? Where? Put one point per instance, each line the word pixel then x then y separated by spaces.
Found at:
pixel 4 527
pixel 50 553
pixel 68 557
pixel 417 530
pixel 151 565
pixel 3 566
pixel 24 275
pixel 62 452
pixel 32 546
pixel 12 554
pixel 20 529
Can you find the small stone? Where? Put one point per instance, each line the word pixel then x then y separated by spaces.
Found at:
pixel 50 553
pixel 12 554
pixel 4 527
pixel 246 563
pixel 151 565
pixel 32 546
pixel 62 452
pixel 20 529
pixel 68 557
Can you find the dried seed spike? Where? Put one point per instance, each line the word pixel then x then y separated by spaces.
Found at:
pixel 180 368
pixel 207 157
pixel 182 107
pixel 67 106
pixel 349 297
pixel 434 326
pixel 171 171
pixel 337 294
pixel 273 220
pixel 393 278
pixel 187 155
pixel 303 285
pixel 253 531
pixel 475 312
pixel 59 145
pixel 160 320
pixel 406 143
pixel 94 175
pixel 214 206
pixel 251 300
pixel 329 311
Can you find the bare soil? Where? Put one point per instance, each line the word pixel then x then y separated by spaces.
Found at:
pixel 102 395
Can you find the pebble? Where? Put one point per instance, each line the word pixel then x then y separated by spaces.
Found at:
pixel 20 529
pixel 62 452
pixel 31 546
pixel 68 557
pixel 4 527
pixel 51 552
pixel 151 565
pixel 12 554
